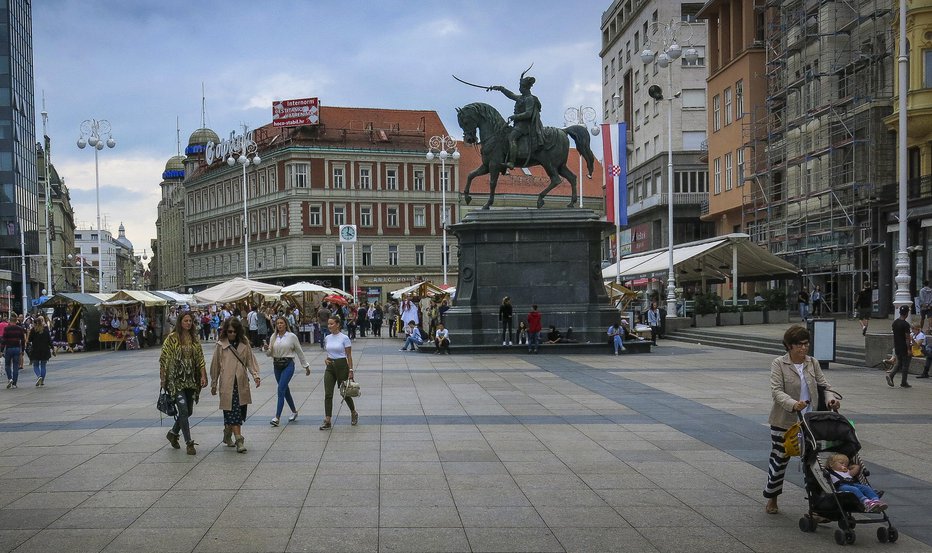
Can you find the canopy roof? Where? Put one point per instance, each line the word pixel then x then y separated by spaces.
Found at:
pixel 421 289
pixel 235 289
pixel 138 296
pixel 710 259
pixel 174 297
pixel 306 287
pixel 63 298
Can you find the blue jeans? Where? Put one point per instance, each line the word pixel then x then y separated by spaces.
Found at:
pixel 618 343
pixel 862 491
pixel 283 377
pixel 38 367
pixel 410 341
pixel 803 310
pixel 184 403
pixel 533 341
pixel 12 362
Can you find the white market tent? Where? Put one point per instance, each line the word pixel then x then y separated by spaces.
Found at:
pixel 175 297
pixel 733 256
pixel 425 288
pixel 236 289
pixel 306 288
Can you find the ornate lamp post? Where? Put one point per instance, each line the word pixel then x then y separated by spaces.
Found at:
pixel 247 150
pixel 9 300
pixel 445 146
pixel 80 259
pixel 582 115
pixel 92 134
pixel 902 295
pixel 666 38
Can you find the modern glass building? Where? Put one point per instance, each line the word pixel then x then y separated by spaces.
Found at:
pixel 19 197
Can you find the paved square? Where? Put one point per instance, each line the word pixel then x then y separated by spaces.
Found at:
pixel 499 453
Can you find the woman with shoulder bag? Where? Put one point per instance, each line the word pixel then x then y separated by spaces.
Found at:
pixel 39 348
pixel 230 368
pixel 339 369
pixel 795 382
pixel 182 373
pixel 283 347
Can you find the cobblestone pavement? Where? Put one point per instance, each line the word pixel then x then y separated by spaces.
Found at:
pixel 510 452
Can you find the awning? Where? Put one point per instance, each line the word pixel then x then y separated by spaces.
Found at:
pixel 174 297
pixel 140 296
pixel 711 259
pixel 63 298
pixel 421 289
pixel 306 288
pixel 234 290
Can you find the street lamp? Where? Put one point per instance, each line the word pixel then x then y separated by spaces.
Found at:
pixel 581 115
pixel 445 146
pixel 92 133
pixel 249 148
pixel 666 38
pixel 902 295
pixel 9 300
pixel 80 266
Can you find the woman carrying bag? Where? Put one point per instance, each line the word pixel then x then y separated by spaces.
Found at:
pixel 182 373
pixel 283 347
pixel 230 368
pixel 39 348
pixel 339 369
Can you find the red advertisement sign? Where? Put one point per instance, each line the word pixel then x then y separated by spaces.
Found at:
pixel 640 238
pixel 295 113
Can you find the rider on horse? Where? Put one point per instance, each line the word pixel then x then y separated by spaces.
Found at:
pixel 526 118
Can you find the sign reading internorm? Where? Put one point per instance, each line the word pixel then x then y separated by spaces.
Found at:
pixel 295 113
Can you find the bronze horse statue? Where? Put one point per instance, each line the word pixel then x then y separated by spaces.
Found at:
pixel 551 154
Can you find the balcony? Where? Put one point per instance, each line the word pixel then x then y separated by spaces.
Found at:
pixel 658 200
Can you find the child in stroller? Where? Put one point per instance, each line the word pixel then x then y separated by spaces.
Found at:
pixel 844 477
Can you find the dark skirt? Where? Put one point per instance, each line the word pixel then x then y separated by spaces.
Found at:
pixel 237 415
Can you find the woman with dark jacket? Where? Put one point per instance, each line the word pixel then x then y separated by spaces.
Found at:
pixel 230 369
pixel 39 346
pixel 505 317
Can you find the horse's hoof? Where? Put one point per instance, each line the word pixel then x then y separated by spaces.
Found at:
pixel 571 204
pixel 467 199
pixel 486 206
pixel 540 203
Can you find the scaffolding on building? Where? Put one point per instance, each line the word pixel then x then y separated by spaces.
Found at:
pixel 819 151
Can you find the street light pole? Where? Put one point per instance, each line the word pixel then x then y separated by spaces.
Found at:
pixel 248 148
pixel 581 115
pixel 902 296
pixel 667 37
pixel 92 132
pixel 445 146
pixel 48 199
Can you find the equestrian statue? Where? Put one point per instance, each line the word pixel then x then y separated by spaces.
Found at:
pixel 525 144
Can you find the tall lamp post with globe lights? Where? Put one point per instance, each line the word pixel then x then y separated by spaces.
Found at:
pixel 665 40
pixel 248 155
pixel 445 147
pixel 92 134
pixel 582 115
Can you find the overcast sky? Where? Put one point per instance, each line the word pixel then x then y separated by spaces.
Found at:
pixel 141 65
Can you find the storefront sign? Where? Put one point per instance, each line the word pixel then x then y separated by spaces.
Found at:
pixel 640 238
pixel 236 144
pixel 295 113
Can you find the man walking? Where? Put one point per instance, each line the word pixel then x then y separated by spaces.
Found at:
pixel 925 304
pixel 653 321
pixel 252 319
pixel 902 345
pixel 803 300
pixel 864 304
pixel 816 298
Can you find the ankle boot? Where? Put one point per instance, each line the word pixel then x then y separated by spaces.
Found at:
pixel 191 450
pixel 240 445
pixel 228 436
pixel 173 439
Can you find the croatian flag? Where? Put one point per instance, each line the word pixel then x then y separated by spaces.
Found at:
pixel 616 172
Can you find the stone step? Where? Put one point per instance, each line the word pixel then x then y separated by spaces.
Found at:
pixel 773 346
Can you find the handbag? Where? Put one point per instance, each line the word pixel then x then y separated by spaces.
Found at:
pixel 350 388
pixel 166 404
pixel 791 440
pixel 280 363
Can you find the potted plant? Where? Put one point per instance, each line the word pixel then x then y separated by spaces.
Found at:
pixel 775 310
pixel 729 315
pixel 706 309
pixel 752 314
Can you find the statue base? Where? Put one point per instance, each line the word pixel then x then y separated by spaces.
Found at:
pixel 548 257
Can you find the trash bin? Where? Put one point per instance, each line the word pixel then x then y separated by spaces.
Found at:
pixel 822 340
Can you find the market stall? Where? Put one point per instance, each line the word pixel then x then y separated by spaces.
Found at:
pixel 130 317
pixel 421 290
pixel 75 321
pixel 235 290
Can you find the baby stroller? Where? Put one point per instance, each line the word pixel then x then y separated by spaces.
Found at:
pixel 829 431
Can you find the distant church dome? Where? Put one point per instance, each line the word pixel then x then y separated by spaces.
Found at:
pixel 199 140
pixel 122 239
pixel 174 168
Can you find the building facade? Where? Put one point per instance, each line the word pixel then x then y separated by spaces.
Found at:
pixel 358 166
pixel 169 269
pixel 65 273
pixel 629 27
pixel 19 194
pixel 110 270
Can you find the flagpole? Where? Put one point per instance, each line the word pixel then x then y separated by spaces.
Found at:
pixel 616 207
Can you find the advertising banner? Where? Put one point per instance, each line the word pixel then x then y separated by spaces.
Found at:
pixel 295 113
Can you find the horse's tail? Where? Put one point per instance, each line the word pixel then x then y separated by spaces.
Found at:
pixel 580 136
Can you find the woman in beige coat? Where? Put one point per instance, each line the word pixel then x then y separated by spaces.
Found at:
pixel 787 375
pixel 230 368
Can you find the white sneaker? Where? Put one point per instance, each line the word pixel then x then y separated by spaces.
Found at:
pixel 509 342
pixel 293 417
pixel 504 343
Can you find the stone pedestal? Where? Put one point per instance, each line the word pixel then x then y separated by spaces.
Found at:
pixel 551 258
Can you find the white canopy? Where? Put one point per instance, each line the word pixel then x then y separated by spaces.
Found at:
pixel 425 288
pixel 712 258
pixel 236 289
pixel 306 287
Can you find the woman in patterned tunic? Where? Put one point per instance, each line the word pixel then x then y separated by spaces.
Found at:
pixel 230 368
pixel 182 373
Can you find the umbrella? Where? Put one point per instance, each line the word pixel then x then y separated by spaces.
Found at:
pixel 333 298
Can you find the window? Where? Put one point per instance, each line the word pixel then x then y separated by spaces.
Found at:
pixel 314 216
pixel 637 40
pixel 729 184
pixel 739 153
pixel 315 256
pixel 645 78
pixel 694 98
pixel 263 221
pixel 393 254
pixel 339 177
pixel 637 81
pixel 716 113
pixel 365 216
pixel 717 171
pixel 365 178
pixel 420 216
pixel 613 67
pixel 391 179
pixel 283 217
pixel 419 255
pixel 273 219
pixel 927 68
pixel 339 255
pixel 691 181
pixel 637 119
pixel 700 58
pixel 296 175
pixel 445 180
pixel 419 179
pixel 646 112
pixel 739 99
pixel 253 223
pixel 692 140
pixel 728 112
pixel 367 255
pixel 339 215
pixel 392 219
pixel 688 12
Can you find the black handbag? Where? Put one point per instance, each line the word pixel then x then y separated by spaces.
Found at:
pixel 166 404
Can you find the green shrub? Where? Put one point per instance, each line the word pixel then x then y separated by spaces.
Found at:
pixel 706 304
pixel 775 299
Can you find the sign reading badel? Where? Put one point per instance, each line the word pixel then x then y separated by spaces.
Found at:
pixel 295 113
